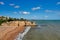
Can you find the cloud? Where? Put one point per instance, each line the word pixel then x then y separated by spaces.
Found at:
pixel 35 16
pixel 15 12
pixel 57 12
pixel 25 12
pixel 20 12
pixel 48 11
pixel 11 4
pixel 58 3
pixel 52 11
pixel 2 3
pixel 36 8
pixel 16 6
pixel 45 17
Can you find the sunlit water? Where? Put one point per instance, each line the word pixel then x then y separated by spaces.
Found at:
pixel 47 30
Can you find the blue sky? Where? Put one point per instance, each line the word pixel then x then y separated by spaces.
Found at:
pixel 31 9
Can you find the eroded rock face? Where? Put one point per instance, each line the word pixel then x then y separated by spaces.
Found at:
pixel 9 30
pixel 18 23
pixel 14 23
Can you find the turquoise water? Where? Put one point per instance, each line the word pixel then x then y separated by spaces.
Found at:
pixel 46 30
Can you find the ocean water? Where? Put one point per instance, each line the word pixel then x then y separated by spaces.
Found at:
pixel 46 30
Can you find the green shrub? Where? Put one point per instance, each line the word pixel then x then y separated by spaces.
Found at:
pixel 1 21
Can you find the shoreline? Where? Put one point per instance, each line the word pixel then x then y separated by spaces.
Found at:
pixel 20 36
pixel 10 32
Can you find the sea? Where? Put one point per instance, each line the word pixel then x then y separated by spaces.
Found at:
pixel 45 30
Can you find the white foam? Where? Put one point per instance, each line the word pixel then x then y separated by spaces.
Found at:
pixel 21 35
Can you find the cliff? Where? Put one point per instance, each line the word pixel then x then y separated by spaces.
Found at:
pixel 9 30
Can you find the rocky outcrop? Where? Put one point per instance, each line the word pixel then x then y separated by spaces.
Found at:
pixel 18 23
pixel 9 30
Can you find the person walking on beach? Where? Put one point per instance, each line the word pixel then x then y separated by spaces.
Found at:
pixel 18 24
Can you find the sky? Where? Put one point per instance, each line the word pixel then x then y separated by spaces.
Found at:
pixel 31 9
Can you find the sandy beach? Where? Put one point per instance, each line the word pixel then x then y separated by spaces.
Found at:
pixel 9 32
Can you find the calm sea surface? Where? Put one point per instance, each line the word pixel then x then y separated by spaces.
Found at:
pixel 46 30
